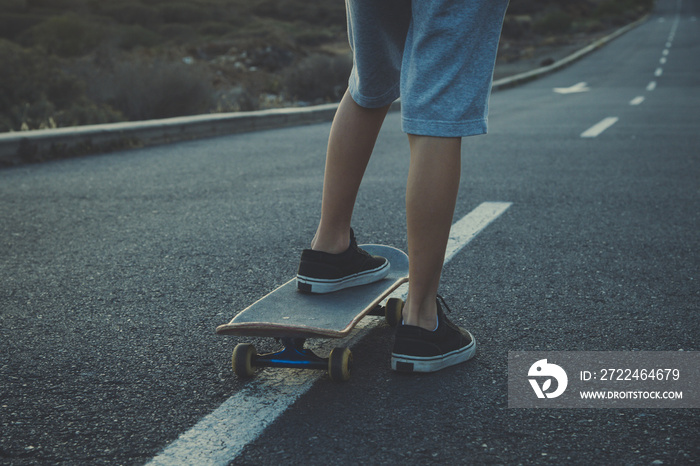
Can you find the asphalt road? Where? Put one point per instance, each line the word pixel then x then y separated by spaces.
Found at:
pixel 116 269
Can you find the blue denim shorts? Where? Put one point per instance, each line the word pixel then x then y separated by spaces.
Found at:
pixel 437 55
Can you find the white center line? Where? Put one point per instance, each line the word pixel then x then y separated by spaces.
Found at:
pixel 222 435
pixel 637 100
pixel 599 127
pixel 659 71
pixel 662 60
pixel 651 86
pixel 466 229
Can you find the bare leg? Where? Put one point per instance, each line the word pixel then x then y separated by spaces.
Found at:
pixel 431 195
pixel 352 138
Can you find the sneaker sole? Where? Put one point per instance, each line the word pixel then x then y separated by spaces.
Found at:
pixel 406 363
pixel 322 286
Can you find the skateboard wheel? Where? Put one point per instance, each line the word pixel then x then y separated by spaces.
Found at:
pixel 242 360
pixel 339 363
pixel 392 311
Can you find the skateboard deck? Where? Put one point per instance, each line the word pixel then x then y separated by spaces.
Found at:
pixel 287 312
pixel 292 316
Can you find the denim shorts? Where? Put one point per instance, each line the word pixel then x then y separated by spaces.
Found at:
pixel 437 55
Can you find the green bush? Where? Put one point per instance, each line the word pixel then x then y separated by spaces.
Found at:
pixel 610 8
pixel 318 77
pixel 13 6
pixel 36 93
pixel 83 111
pixel 179 33
pixel 515 29
pixel 58 5
pixel 619 8
pixel 214 28
pixel 527 7
pixel 313 37
pixel 131 13
pixel 143 90
pixel 13 24
pixel 319 12
pixel 556 22
pixel 22 77
pixel 68 35
pixel 183 12
pixel 137 36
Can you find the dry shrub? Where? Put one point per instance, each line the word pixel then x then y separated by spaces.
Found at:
pixel 318 78
pixel 556 22
pixel 132 13
pixel 143 90
pixel 36 92
pixel 68 35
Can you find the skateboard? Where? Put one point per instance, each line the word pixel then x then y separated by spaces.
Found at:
pixel 292 317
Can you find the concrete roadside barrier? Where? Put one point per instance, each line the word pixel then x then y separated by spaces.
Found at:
pixel 39 145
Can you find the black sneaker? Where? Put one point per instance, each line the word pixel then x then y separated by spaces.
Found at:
pixel 321 272
pixel 420 350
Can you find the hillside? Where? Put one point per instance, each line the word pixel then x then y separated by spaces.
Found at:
pixel 77 62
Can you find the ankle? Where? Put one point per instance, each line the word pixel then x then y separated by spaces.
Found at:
pixel 332 243
pixel 423 316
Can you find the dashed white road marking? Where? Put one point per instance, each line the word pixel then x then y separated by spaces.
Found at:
pixel 576 88
pixel 637 100
pixel 658 72
pixel 651 86
pixel 222 435
pixel 595 130
pixel 662 60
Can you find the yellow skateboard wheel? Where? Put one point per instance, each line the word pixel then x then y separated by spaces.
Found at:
pixel 339 363
pixel 392 311
pixel 242 360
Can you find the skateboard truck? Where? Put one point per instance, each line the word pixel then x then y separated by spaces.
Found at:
pixel 294 356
